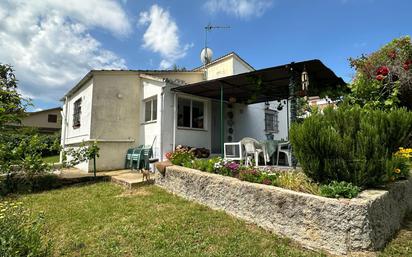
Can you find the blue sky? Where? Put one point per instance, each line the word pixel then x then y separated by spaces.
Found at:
pixel 52 44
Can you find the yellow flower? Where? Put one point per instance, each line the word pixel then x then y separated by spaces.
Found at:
pixel 397 170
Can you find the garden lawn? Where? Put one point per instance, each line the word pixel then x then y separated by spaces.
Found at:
pixel 52 159
pixel 103 219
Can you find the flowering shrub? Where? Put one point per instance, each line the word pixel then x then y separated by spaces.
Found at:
pixel 384 78
pixel 20 235
pixel 257 176
pixel 181 157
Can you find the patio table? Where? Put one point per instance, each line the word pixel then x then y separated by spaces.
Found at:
pixel 270 147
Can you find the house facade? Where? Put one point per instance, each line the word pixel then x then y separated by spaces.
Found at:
pixel 45 121
pixel 120 109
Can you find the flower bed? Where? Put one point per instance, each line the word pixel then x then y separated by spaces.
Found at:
pixel 339 226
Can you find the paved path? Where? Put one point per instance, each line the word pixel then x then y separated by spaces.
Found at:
pixel 125 178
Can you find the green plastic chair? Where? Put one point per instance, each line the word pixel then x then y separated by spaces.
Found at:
pixel 140 159
pixel 132 153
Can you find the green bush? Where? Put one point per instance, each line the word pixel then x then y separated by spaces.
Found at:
pixel 350 144
pixel 20 235
pixel 339 189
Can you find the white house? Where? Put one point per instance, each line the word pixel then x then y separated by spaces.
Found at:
pixel 121 109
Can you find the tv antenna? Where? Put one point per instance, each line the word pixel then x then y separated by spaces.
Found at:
pixel 209 28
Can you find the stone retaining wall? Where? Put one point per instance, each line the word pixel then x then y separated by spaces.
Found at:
pixel 343 226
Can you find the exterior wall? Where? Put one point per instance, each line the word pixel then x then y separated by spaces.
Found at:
pixel 77 135
pixel 150 131
pixel 115 116
pixel 240 67
pixel 338 226
pixel 220 69
pixel 40 119
pixel 249 121
pixel 188 77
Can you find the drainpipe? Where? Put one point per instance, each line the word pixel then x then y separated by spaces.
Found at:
pixel 222 125
pixel 174 120
pixel 64 126
pixel 162 104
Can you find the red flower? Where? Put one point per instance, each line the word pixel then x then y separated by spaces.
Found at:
pixel 383 70
pixel 380 77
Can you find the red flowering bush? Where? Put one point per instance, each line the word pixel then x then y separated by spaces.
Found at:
pixel 384 78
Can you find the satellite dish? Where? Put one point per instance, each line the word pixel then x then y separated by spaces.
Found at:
pixel 206 55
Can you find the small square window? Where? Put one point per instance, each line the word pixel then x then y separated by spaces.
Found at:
pixel 52 118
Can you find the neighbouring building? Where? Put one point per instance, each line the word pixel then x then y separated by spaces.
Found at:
pixel 45 121
pixel 121 109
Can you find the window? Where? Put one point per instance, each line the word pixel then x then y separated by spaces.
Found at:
pixel 52 118
pixel 190 113
pixel 77 112
pixel 271 121
pixel 150 109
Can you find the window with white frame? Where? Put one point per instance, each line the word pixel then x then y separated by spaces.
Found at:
pixel 190 113
pixel 77 111
pixel 271 121
pixel 150 109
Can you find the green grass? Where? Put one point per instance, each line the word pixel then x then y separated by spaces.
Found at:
pixel 105 220
pixel 52 159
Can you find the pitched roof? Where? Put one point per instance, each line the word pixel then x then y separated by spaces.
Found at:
pixel 222 58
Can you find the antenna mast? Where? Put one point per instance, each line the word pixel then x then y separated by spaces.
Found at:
pixel 209 28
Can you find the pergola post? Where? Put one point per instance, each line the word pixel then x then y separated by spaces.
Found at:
pixel 222 124
pixel 293 81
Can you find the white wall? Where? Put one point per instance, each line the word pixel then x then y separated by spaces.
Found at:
pixel 240 67
pixel 151 130
pixel 249 121
pixel 76 135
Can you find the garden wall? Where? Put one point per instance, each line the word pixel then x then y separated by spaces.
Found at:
pixel 343 226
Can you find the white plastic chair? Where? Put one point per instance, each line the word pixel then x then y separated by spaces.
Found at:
pixel 252 150
pixel 284 148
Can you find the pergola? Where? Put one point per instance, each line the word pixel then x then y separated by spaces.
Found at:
pixel 297 79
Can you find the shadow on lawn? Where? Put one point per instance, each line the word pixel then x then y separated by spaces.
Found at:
pixel 36 184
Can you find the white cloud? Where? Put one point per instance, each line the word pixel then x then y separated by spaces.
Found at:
pixel 162 36
pixel 239 8
pixel 49 44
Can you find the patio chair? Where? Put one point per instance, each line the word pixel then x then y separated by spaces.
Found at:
pixel 286 149
pixel 130 155
pixel 252 150
pixel 233 151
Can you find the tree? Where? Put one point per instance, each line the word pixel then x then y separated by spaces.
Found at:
pixel 383 78
pixel 12 105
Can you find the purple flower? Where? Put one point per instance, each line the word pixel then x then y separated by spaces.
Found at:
pixel 232 166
